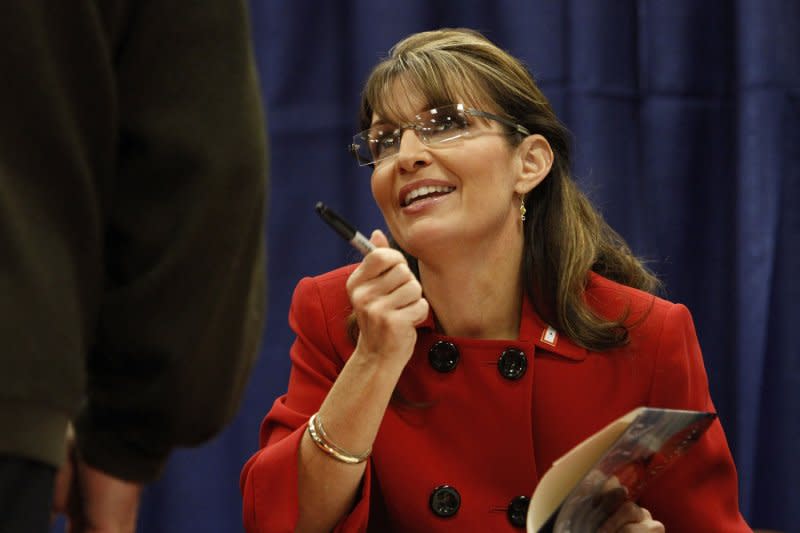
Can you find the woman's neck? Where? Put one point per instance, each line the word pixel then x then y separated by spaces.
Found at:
pixel 476 292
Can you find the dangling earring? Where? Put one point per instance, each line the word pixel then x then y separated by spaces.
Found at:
pixel 522 209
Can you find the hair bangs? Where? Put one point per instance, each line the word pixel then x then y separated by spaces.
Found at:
pixel 419 81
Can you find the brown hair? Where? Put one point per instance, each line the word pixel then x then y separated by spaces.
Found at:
pixel 565 236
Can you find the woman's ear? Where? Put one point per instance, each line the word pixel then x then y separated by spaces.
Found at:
pixel 536 158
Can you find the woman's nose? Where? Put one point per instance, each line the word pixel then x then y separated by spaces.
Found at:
pixel 412 152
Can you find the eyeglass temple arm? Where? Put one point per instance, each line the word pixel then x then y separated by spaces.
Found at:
pixel 518 127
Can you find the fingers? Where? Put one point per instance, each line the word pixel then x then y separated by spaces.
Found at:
pixel 62 488
pixel 65 484
pixel 418 311
pixel 108 504
pixel 396 279
pixel 630 518
pixel 379 261
pixel 383 278
pixel 610 499
pixel 379 239
pixel 392 299
pixel 387 301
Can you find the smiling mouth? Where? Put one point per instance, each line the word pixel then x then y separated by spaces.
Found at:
pixel 426 192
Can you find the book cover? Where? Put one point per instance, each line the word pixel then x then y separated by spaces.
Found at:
pixel 587 484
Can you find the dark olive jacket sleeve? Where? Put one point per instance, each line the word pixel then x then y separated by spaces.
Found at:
pixel 137 185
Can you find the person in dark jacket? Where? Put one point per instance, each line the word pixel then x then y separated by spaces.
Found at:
pixel 133 185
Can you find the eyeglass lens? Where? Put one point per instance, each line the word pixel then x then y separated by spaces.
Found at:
pixel 435 126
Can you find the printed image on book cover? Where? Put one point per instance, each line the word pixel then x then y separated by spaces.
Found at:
pixel 649 445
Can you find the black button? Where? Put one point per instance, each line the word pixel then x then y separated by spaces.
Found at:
pixel 518 511
pixel 445 501
pixel 512 364
pixel 443 356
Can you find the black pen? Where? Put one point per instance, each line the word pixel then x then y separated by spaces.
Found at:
pixel 345 229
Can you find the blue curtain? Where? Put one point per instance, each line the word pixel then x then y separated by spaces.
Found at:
pixel 686 118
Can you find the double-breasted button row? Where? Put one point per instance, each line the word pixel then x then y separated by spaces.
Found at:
pixel 443 356
pixel 512 364
pixel 517 511
pixel 445 501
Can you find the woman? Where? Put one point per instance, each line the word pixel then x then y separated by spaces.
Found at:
pixel 444 378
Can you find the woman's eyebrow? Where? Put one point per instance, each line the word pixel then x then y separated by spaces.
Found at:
pixel 382 122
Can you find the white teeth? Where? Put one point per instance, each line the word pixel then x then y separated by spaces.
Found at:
pixel 424 191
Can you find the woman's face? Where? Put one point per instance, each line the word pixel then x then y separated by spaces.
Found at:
pixel 458 193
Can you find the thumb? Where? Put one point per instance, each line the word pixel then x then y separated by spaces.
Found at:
pixel 65 486
pixel 379 239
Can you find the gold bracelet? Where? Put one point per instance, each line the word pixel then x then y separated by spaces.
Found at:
pixel 320 438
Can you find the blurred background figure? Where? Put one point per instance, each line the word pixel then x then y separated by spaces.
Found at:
pixel 132 285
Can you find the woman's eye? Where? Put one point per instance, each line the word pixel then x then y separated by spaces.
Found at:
pixel 387 142
pixel 449 124
pixel 381 143
pixel 444 125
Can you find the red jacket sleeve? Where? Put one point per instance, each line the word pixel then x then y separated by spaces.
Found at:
pixel 699 493
pixel 269 479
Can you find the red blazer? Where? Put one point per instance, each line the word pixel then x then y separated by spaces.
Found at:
pixel 488 437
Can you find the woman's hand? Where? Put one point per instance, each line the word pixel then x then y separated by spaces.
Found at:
pixel 630 518
pixel 388 304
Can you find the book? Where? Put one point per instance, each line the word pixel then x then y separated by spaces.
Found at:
pixel 587 484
